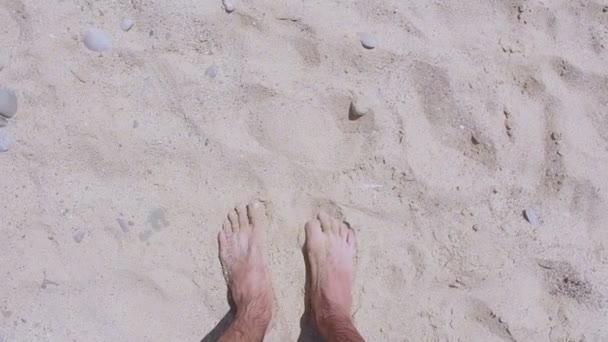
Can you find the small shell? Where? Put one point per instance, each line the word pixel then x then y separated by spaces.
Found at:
pixel 368 40
pixel 97 40
pixel 531 216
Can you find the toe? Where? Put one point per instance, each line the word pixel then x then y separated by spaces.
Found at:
pixel 223 244
pixel 227 228
pixel 257 214
pixel 351 239
pixel 343 231
pixel 335 226
pixel 233 217
pixel 314 233
pixel 325 221
pixel 241 210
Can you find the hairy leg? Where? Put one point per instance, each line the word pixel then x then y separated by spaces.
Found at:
pixel 330 248
pixel 241 243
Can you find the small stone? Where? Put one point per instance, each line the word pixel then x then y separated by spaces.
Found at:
pixel 8 103
pixel 212 71
pixel 556 136
pixel 476 227
pixel 229 6
pixel 368 40
pixel 359 107
pixel 123 224
pixel 3 122
pixel 78 236
pixel 531 216
pixel 97 40
pixel 560 152
pixel 474 140
pixel 5 143
pixel 126 24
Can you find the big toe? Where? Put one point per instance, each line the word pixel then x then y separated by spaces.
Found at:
pixel 257 214
pixel 326 222
pixel 314 234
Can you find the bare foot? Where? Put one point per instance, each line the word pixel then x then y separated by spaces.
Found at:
pixel 241 242
pixel 330 247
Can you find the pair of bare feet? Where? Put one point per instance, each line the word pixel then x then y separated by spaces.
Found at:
pixel 330 248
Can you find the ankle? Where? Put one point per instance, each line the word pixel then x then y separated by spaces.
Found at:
pixel 258 309
pixel 251 320
pixel 247 326
pixel 327 312
pixel 329 300
pixel 335 324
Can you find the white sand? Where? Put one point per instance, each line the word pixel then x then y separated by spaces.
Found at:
pixel 273 124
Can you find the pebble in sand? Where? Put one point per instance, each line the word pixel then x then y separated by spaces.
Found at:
pixel 8 103
pixel 212 71
pixel 474 139
pixel 368 40
pixel 229 6
pixel 5 143
pixel 78 236
pixel 123 224
pixel 359 107
pixel 97 40
pixel 126 24
pixel 531 216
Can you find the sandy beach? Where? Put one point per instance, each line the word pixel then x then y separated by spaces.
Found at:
pixel 476 180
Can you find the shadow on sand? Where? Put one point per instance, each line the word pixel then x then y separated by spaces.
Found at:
pixel 223 324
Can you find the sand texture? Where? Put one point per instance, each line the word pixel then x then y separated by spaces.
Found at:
pixel 123 164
